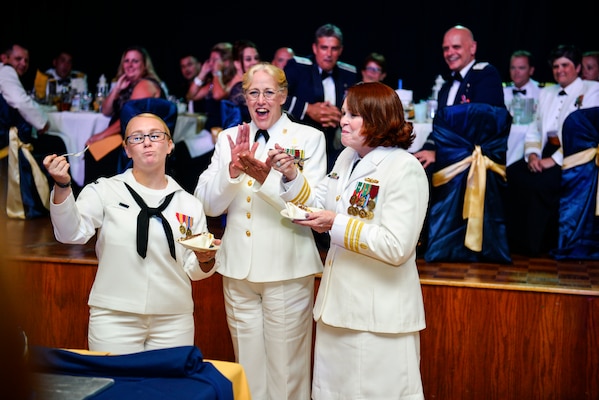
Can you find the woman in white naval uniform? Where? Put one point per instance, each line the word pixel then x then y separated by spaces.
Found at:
pixel 141 296
pixel 369 308
pixel 267 262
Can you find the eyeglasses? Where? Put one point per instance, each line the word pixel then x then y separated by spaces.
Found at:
pixel 140 138
pixel 268 94
pixel 373 69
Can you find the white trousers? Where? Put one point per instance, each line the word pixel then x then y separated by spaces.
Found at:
pixel 120 332
pixel 351 364
pixel 271 329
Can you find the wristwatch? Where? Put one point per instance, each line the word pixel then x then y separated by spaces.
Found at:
pixel 63 185
pixel 198 81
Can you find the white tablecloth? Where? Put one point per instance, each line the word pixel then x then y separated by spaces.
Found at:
pixel 76 127
pixel 422 130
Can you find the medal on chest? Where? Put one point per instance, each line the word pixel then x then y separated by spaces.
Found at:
pixel 185 222
pixel 363 202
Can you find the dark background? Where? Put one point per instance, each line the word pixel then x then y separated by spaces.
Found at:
pixel 409 34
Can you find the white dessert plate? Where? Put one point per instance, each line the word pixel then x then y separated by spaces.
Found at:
pixel 194 245
pixel 285 214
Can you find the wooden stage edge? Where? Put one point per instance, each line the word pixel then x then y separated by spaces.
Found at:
pixel 33 240
pixel 525 330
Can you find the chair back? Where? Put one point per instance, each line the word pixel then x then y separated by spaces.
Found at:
pixel 467 212
pixel 230 114
pixel 165 109
pixel 578 236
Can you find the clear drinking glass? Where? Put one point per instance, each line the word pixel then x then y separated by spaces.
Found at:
pixel 517 108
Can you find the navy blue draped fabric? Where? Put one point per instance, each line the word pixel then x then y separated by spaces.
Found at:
pixel 578 225
pixel 230 114
pixel 456 131
pixel 165 109
pixel 174 373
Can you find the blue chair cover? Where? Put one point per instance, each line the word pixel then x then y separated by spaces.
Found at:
pixel 173 373
pixel 165 109
pixel 578 225
pixel 456 131
pixel 230 114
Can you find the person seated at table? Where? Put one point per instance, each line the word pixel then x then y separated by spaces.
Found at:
pixel 281 56
pixel 18 109
pixel 245 54
pixel 213 83
pixel 522 85
pixel 65 76
pixel 468 81
pixel 138 216
pixel 136 78
pixel 374 68
pixel 533 224
pixel 190 67
pixel 590 65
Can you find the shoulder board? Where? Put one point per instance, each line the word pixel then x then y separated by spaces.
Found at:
pixel 346 66
pixel 480 65
pixel 302 60
pixel 508 84
pixel 79 74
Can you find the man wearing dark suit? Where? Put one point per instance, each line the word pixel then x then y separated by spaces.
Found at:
pixel 469 81
pixel 317 86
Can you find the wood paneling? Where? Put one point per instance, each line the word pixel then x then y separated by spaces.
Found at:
pixel 503 344
pixel 514 340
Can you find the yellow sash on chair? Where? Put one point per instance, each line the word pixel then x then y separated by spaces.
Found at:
pixel 14 203
pixel 474 197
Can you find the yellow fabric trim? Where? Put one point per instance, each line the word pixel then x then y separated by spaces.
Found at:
pixel 304 194
pixel 3 152
pixel 14 203
pixel 583 157
pixel 474 196
pixel 351 240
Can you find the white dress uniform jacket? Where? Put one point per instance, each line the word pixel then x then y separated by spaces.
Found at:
pixel 370 280
pixel 16 97
pixel 124 281
pixel 259 244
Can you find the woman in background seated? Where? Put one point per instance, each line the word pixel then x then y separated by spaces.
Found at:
pixel 135 79
pixel 141 297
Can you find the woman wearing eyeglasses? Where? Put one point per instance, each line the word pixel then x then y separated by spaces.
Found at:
pixel 374 68
pixel 141 298
pixel 267 262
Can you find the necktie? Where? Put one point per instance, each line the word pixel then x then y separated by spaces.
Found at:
pixel 64 82
pixel 324 74
pixel 354 166
pixel 262 132
pixel 516 91
pixel 562 93
pixel 143 223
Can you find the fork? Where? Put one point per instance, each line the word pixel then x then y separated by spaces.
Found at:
pixel 77 154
